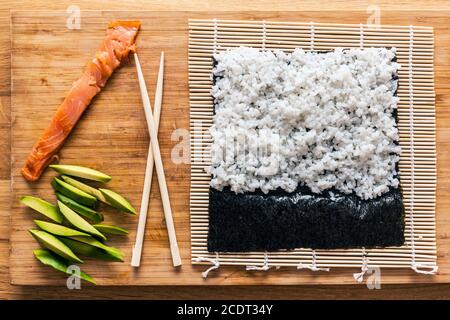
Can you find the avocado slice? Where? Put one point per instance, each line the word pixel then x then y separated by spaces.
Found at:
pixel 73 193
pixel 117 201
pixel 90 251
pixel 81 172
pixel 78 222
pixel 49 259
pixel 95 243
pixel 86 212
pixel 54 244
pixel 110 229
pixel 43 207
pixel 86 188
pixel 58 230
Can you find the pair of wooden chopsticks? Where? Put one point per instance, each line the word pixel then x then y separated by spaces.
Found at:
pixel 154 154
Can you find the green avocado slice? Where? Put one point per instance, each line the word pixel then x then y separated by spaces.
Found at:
pixel 43 207
pixel 54 244
pixel 81 172
pixel 117 201
pixel 78 222
pixel 91 251
pixel 49 259
pixel 58 230
pixel 95 243
pixel 86 212
pixel 86 188
pixel 73 193
pixel 110 229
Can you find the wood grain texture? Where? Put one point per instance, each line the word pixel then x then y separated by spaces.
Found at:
pixel 112 137
pixel 431 291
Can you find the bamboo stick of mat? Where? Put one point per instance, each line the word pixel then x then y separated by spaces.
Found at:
pixel 159 166
pixel 137 249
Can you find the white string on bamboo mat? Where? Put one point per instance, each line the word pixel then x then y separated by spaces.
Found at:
pixel 417 267
pixel 411 142
pixel 361 36
pixel 264 35
pixel 359 276
pixel 264 267
pixel 313 266
pixel 215 35
pixel 215 264
pixel 312 35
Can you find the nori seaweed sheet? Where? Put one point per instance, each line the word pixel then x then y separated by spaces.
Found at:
pixel 302 219
pixel 254 221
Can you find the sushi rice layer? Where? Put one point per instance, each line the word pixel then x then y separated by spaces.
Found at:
pixel 320 120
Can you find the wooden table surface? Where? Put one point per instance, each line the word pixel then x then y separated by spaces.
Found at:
pixel 432 291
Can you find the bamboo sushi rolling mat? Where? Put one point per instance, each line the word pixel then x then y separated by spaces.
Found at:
pixel 416 124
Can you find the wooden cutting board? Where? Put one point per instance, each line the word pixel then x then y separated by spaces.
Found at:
pixel 112 136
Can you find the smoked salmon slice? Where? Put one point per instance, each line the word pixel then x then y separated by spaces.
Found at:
pixel 114 50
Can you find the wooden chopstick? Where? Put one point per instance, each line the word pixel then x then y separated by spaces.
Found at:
pixel 137 249
pixel 159 166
